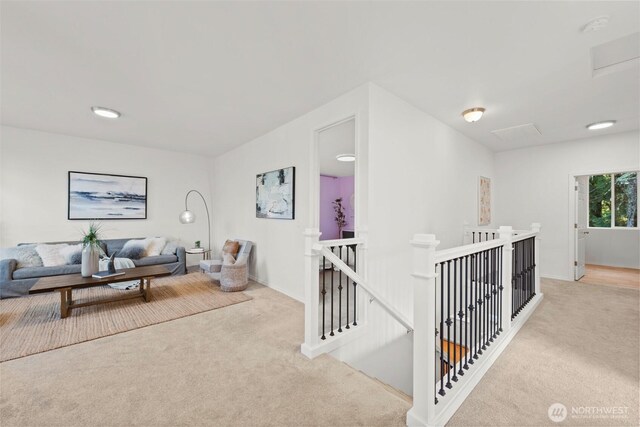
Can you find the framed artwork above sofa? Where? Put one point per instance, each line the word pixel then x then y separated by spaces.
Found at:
pixel 103 196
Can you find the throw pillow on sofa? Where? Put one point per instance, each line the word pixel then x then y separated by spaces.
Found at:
pixel 155 245
pixel 26 255
pixel 72 254
pixel 51 254
pixel 133 249
pixel 170 248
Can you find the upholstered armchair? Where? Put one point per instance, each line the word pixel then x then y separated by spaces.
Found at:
pixel 233 276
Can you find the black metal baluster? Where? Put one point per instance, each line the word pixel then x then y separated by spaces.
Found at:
pixel 486 236
pixel 493 235
pixel 473 235
pixel 340 294
pixel 461 262
pixel 324 292
pixel 485 302
pixel 500 286
pixel 533 257
pixel 513 281
pixel 455 296
pixel 467 310
pixel 494 293
pixel 332 277
pixel 475 305
pixel 347 304
pixel 441 392
pixel 448 322
pixel 481 304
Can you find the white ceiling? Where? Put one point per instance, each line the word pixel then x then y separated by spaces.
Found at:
pixel 204 77
pixel 338 139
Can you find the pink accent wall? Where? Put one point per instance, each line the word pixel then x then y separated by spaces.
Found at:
pixel 332 188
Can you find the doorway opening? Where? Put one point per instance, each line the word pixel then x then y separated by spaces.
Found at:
pixel 337 160
pixel 607 237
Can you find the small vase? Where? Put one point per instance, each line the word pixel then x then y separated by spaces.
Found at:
pixel 90 259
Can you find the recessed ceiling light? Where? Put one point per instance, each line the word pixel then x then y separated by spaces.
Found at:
pixel 601 125
pixel 346 157
pixel 473 114
pixel 596 24
pixel 105 112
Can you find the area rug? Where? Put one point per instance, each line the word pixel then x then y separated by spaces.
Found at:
pixel 32 324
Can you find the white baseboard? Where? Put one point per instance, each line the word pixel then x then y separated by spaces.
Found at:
pixel 548 276
pixel 275 288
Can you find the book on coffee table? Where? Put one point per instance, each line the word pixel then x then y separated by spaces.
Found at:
pixel 106 274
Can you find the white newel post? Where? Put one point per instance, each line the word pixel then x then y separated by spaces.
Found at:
pixel 536 227
pixel 424 333
pixel 363 270
pixel 311 292
pixel 506 235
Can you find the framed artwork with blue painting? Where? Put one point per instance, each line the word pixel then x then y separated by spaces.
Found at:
pixel 102 196
pixel 275 194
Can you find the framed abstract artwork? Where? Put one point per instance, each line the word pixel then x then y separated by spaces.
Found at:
pixel 275 194
pixel 103 196
pixel 484 201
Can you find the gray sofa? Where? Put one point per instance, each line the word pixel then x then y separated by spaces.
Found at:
pixel 16 282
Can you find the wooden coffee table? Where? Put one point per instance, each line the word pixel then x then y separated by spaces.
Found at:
pixel 67 283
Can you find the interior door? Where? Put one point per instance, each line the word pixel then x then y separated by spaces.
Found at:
pixel 581 224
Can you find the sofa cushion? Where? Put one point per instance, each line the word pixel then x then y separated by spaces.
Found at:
pixel 26 255
pixel 32 272
pixel 154 260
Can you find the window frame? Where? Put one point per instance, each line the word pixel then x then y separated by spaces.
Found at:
pixel 613 225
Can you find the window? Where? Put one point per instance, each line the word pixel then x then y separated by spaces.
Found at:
pixel 613 200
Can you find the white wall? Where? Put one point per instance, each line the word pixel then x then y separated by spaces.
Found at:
pixel 423 179
pixel 533 185
pixel 34 184
pixel 616 247
pixel 278 254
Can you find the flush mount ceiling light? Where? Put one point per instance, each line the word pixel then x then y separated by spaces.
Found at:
pixel 596 24
pixel 107 113
pixel 346 157
pixel 601 125
pixel 473 114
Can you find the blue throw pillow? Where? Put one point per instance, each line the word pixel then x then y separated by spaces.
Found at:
pixel 131 253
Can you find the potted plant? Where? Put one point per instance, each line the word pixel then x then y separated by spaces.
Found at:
pixel 340 218
pixel 90 250
pixel 197 244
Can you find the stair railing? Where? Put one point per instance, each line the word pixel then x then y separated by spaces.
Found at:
pixel 469 301
pixel 333 292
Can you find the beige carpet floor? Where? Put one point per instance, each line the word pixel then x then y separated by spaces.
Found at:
pixel 580 348
pixel 33 324
pixel 241 366
pixel 237 366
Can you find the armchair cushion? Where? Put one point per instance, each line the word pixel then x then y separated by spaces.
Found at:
pixel 228 259
pixel 230 247
pixel 211 265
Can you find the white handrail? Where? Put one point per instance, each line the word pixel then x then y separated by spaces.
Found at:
pixel 326 252
pixel 341 242
pixel 460 251
pixel 523 235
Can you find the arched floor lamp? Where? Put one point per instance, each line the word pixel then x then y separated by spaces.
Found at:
pixel 187 217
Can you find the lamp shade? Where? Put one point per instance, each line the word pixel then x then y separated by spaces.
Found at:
pixel 187 217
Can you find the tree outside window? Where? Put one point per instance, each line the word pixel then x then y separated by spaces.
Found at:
pixel 613 200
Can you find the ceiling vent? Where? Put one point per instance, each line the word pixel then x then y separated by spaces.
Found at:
pixel 616 55
pixel 520 133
